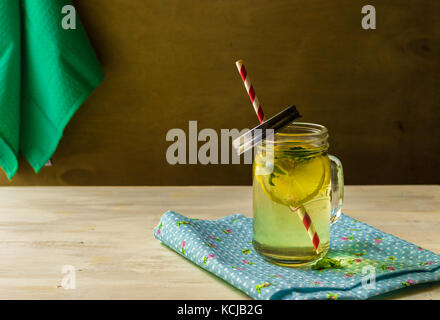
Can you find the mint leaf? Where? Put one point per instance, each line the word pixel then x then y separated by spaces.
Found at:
pixel 327 263
pixel 270 179
pixel 276 169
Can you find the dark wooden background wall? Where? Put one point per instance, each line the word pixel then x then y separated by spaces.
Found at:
pixel 168 62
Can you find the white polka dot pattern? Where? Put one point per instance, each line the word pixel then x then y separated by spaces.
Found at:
pixel 224 247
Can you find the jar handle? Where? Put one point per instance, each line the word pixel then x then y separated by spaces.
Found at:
pixel 337 189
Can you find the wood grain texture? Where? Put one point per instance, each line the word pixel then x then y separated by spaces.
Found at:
pixel 106 233
pixel 170 62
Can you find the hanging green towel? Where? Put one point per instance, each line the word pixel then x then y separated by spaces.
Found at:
pixel 9 85
pixel 43 82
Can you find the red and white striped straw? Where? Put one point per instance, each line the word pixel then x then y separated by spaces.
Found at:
pixel 250 90
pixel 301 211
pixel 311 231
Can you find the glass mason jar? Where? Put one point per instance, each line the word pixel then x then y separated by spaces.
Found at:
pixel 297 194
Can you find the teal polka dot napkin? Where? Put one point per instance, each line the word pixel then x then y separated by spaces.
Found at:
pixel 373 262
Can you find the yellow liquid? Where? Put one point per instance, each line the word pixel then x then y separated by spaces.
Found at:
pixel 300 179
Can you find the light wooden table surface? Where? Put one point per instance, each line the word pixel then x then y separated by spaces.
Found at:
pixel 106 234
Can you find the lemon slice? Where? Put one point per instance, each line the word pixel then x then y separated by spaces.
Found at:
pixel 295 181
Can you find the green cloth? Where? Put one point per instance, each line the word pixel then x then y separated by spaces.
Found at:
pixel 46 73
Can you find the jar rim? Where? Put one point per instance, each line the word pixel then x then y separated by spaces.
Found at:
pixel 298 133
pixel 303 129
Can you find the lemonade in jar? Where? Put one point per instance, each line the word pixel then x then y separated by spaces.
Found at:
pixel 297 193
